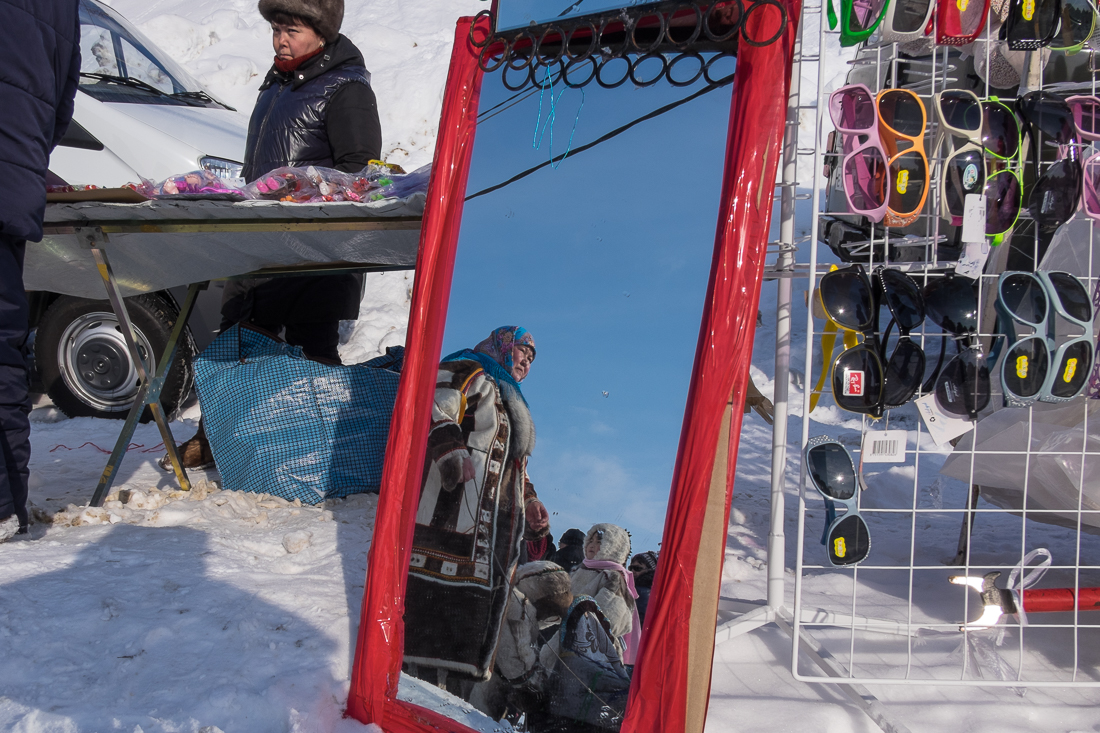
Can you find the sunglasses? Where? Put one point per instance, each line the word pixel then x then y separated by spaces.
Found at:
pixel 962 387
pixel 1078 24
pixel 858 372
pixel 959 22
pixel 902 120
pixel 863 163
pixel 1055 196
pixel 959 114
pixel 1004 191
pixel 906 20
pixel 1034 368
pixel 1086 118
pixel 904 370
pixel 833 473
pixel 858 19
pixel 1031 24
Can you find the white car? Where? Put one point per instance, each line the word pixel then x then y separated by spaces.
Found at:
pixel 137 115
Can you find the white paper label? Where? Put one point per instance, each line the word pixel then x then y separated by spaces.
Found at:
pixel 884 446
pixel 974 218
pixel 942 427
pixel 973 258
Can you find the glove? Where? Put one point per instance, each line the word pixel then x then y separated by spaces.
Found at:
pixel 454 468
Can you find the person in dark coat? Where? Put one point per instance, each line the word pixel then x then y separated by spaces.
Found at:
pixel 316 107
pixel 644 567
pixel 39 74
pixel 570 550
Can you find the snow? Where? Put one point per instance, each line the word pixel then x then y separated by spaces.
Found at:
pixel 218 611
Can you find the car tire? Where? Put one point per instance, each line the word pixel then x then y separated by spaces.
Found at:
pixel 85 366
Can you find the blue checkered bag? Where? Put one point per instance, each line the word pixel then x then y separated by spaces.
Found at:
pixel 281 424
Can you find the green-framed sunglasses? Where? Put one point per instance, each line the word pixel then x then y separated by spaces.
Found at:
pixel 858 19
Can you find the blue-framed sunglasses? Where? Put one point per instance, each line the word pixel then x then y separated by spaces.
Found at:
pixel 833 473
pixel 1036 367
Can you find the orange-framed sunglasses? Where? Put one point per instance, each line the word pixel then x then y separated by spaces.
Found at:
pixel 902 120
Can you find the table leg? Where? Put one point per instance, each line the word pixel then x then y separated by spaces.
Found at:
pixel 150 385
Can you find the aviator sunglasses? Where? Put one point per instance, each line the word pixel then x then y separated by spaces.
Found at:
pixel 1034 367
pixel 832 472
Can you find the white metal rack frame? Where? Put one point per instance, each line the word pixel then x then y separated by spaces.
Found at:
pixel 895 619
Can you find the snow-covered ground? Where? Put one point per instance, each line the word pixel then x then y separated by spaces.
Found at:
pixel 218 611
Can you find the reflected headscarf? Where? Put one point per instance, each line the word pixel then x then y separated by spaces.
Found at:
pixel 500 342
pixel 495 354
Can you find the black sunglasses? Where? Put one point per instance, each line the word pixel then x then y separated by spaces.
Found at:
pixel 1057 192
pixel 962 387
pixel 1031 24
pixel 864 380
pixel 831 470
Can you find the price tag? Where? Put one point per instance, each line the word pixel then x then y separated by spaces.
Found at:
pixel 884 446
pixel 942 427
pixel 974 218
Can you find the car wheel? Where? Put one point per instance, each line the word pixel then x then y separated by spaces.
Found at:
pixel 85 366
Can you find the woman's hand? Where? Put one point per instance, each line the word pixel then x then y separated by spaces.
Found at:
pixel 455 468
pixel 537 517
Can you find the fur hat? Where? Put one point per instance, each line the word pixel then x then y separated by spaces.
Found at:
pixel 546 585
pixel 325 16
pixel 614 542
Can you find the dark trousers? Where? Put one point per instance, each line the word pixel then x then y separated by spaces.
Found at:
pixel 15 429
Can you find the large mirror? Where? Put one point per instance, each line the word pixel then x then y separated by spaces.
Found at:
pixel 582 269
pixel 601 252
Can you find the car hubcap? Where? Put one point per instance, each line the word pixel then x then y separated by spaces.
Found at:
pixel 95 364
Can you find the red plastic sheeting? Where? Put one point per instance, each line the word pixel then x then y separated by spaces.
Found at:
pixel 658 692
pixel 377 667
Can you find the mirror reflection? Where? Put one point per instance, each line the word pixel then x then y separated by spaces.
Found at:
pixel 582 266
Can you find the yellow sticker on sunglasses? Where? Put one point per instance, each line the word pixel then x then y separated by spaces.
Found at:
pixel 962 5
pixel 1028 9
pixel 1021 367
pixel 840 549
pixel 1071 369
pixel 903 181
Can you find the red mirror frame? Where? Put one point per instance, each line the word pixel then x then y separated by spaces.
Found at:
pixel 671 682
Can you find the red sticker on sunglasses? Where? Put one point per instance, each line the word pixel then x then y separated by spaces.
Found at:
pixel 853 383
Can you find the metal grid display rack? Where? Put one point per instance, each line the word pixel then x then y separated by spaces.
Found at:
pixel 1020 488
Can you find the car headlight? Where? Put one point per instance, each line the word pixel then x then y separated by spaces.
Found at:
pixel 222 168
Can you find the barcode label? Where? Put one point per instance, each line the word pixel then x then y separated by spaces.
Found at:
pixel 884 446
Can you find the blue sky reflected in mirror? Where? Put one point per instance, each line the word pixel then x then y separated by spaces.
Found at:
pixel 521 13
pixel 604 259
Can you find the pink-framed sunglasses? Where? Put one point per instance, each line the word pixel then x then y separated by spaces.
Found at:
pixel 863 165
pixel 1086 118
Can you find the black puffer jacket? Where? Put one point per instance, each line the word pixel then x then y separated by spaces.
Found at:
pixel 324 113
pixel 38 79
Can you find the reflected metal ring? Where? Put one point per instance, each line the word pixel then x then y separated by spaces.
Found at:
pixel 698 72
pixel 757 4
pixel 638 62
pixel 593 40
pixel 710 63
pixel 696 30
pixel 733 31
pixel 537 55
pixel 577 62
pixel 612 52
pixel 526 74
pixel 605 64
pixel 488 36
pixel 481 57
pixel 662 28
pixel 513 55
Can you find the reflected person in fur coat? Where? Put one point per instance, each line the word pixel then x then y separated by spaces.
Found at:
pixel 475 504
pixel 602 576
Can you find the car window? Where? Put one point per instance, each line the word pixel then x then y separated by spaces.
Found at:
pixel 118 64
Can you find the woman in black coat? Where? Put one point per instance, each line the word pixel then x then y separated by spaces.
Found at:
pixel 316 107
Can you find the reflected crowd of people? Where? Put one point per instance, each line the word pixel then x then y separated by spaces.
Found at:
pixel 542 636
